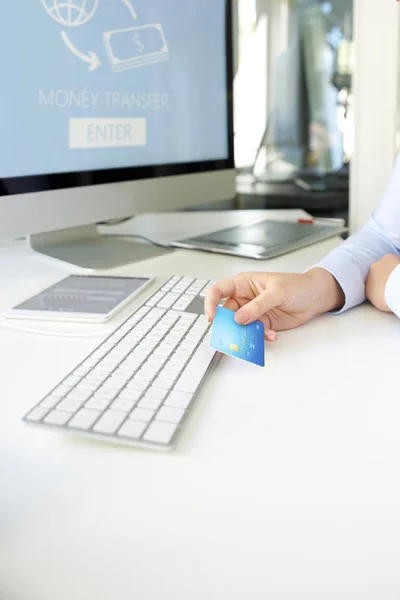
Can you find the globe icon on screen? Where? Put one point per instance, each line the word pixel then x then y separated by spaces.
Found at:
pixel 71 13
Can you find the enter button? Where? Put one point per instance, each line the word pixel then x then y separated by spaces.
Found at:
pixel 107 133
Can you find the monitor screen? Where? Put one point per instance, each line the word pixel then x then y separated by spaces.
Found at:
pixel 108 84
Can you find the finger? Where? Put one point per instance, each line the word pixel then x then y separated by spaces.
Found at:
pixel 256 308
pixel 231 304
pixel 271 336
pixel 223 289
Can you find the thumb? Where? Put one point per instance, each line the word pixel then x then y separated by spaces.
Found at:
pixel 256 308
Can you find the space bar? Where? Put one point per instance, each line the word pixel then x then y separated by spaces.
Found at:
pixel 195 370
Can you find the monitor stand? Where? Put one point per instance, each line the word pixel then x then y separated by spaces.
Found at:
pixel 85 247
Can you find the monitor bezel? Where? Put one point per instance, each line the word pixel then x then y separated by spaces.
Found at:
pixel 59 181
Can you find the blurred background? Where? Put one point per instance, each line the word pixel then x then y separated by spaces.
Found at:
pixel 294 124
pixel 293 97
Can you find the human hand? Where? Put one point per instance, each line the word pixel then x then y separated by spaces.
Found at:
pixel 280 301
pixel 377 279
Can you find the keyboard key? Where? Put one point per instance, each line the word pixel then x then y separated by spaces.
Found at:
pixel 156 314
pixel 37 414
pixel 87 384
pixel 123 376
pixel 155 299
pixel 123 372
pixel 192 340
pixel 170 414
pixel 57 417
pixel 201 324
pixel 123 405
pixel 168 300
pixel 196 369
pixel 183 302
pixel 167 287
pixel 148 402
pixel 180 290
pixel 98 403
pixel 132 364
pixel 90 362
pixel 96 376
pixel 171 342
pixel 143 310
pixel 182 355
pixel 70 405
pixel 157 362
pixel 108 345
pixel 142 414
pixel 80 395
pixel 132 429
pixel 160 432
pixel 164 383
pixel 175 365
pixel 50 401
pixel 141 353
pixel 170 318
pixel 144 376
pixel 61 390
pixel 84 419
pixel 183 324
pixel 137 384
pixel 106 394
pixel 102 352
pixel 179 399
pixel 155 392
pixel 107 366
pixel 194 290
pixel 132 395
pixel 81 371
pixel 109 422
pixel 187 317
pixel 71 381
pixel 161 355
pixel 150 368
pixel 169 374
pixel 114 383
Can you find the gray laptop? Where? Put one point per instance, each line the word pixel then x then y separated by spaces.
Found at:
pixel 263 240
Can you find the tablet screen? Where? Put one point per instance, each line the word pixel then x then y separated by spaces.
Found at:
pixel 84 294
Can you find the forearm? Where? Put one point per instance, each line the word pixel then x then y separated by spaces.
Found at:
pixel 349 264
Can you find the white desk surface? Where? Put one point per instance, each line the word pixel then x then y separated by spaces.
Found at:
pixel 284 487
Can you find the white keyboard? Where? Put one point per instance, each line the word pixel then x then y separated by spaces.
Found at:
pixel 138 387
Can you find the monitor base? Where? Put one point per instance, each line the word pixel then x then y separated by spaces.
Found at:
pixel 84 247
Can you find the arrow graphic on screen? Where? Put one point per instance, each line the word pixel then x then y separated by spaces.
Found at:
pixel 92 59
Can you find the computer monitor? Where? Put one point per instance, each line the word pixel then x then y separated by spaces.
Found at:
pixel 111 108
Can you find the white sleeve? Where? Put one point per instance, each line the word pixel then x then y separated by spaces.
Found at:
pixel 392 291
pixel 351 262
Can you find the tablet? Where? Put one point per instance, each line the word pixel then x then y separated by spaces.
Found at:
pixel 84 298
pixel 265 240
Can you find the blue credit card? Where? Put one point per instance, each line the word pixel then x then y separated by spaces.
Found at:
pixel 241 341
